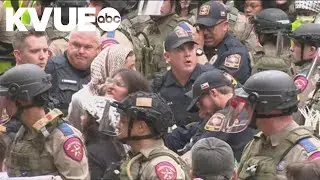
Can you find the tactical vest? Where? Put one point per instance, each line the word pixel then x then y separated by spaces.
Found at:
pixel 263 62
pixel 29 157
pixel 125 168
pixel 259 162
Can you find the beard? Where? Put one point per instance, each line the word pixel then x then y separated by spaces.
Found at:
pixel 215 106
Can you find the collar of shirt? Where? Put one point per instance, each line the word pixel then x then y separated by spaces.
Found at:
pixel 276 138
pixel 170 79
pixel 147 151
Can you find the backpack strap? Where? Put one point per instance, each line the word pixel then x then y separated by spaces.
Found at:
pixel 294 137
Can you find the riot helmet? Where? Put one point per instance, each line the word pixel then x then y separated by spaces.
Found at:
pixel 148 107
pixel 26 82
pixel 307 34
pixel 260 97
pixel 275 23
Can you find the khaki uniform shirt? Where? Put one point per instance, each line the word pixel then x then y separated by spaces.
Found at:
pixel 162 167
pixel 306 95
pixel 67 158
pixel 68 152
pixel 297 153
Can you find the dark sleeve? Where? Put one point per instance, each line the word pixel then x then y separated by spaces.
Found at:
pixel 96 164
pixel 179 137
pixel 51 69
pixel 237 65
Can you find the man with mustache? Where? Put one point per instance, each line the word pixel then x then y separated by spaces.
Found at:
pixel 226 52
pixel 72 69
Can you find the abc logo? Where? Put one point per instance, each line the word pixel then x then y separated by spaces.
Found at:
pixel 109 19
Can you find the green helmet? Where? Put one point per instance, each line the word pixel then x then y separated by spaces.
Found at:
pixel 270 90
pixel 149 107
pixel 24 82
pixel 271 21
pixel 307 34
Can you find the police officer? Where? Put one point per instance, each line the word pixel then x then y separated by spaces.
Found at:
pixel 144 119
pixel 271 26
pixel 224 50
pixel 305 54
pixel 71 70
pixel 180 53
pixel 31 47
pixel 241 27
pixel 164 20
pixel 268 105
pixel 45 144
pixel 211 94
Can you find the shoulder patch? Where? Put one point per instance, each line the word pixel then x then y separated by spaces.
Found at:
pixel 301 82
pixel 315 155
pixel 73 148
pixel 233 61
pixel 65 129
pixel 308 145
pixel 166 171
pixel 215 122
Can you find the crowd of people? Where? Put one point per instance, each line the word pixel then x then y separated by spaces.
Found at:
pixel 182 89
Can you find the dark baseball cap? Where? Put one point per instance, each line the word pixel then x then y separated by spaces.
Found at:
pixel 206 81
pixel 176 38
pixel 210 13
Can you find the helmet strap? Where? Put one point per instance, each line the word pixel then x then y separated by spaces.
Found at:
pixel 137 138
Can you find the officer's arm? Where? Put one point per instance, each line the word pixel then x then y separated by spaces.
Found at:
pixel 179 137
pixel 237 65
pixel 51 69
pixel 69 155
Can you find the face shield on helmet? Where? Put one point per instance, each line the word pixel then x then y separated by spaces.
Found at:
pixel 235 118
pixel 107 116
pixel 154 8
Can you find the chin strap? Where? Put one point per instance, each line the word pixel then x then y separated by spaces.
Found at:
pixel 137 138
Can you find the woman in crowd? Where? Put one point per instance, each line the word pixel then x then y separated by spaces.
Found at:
pixel 110 60
pixel 253 7
pixel 104 152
